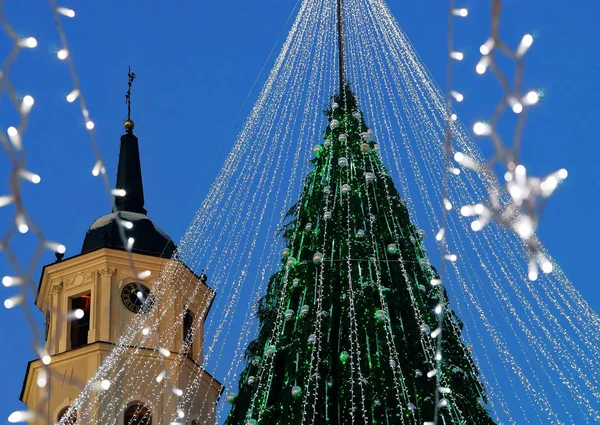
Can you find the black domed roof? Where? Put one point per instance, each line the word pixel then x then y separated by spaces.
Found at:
pixel 148 238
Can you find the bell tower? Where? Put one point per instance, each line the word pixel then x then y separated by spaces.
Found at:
pixel 88 300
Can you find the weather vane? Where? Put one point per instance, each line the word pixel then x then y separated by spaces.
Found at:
pixel 129 123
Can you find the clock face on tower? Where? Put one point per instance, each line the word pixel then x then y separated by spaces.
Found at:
pixel 133 296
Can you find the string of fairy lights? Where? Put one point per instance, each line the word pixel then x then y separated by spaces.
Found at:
pixel 535 346
pixel 23 220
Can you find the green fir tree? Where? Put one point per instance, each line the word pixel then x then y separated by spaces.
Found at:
pixel 346 339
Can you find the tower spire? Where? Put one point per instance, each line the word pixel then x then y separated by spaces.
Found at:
pixel 129 173
pixel 341 46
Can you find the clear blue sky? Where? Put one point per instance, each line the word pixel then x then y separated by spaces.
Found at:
pixel 196 62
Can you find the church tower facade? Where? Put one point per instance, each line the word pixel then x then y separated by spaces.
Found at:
pixel 89 299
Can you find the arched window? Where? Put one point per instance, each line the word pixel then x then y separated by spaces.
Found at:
pixel 137 414
pixel 72 420
pixel 188 322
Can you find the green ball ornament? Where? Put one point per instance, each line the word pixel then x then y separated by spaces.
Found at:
pixel 296 392
pixel 330 383
pixel 231 397
pixel 291 262
pixel 392 249
pixel 344 356
pixel 251 422
pixel 376 402
pixel 286 252
pixel 380 315
pixel 317 150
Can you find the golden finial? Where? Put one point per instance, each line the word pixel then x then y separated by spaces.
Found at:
pixel 129 125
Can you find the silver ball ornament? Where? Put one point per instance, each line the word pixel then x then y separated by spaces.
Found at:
pixel 346 189
pixel 343 137
pixel 312 339
pixel 296 391
pixel 392 249
pixel 334 124
pixel 411 407
pixel 421 234
pixel 369 176
pixel 342 162
pixel 289 314
pixel 270 350
pixel 317 258
pixel 327 215
pixel 418 373
pixel 360 233
pixel 327 143
pixel 251 422
pixel 251 380
pixel 334 106
pixel 393 364
pixel 295 282
pixel 356 115
pixel 308 227
pixel 425 329
pixel 364 147
pixel 231 397
pixel 304 310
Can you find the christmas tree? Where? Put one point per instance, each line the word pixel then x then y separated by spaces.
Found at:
pixel 347 324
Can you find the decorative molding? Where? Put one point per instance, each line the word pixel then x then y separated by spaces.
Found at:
pixel 56 289
pixel 106 272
